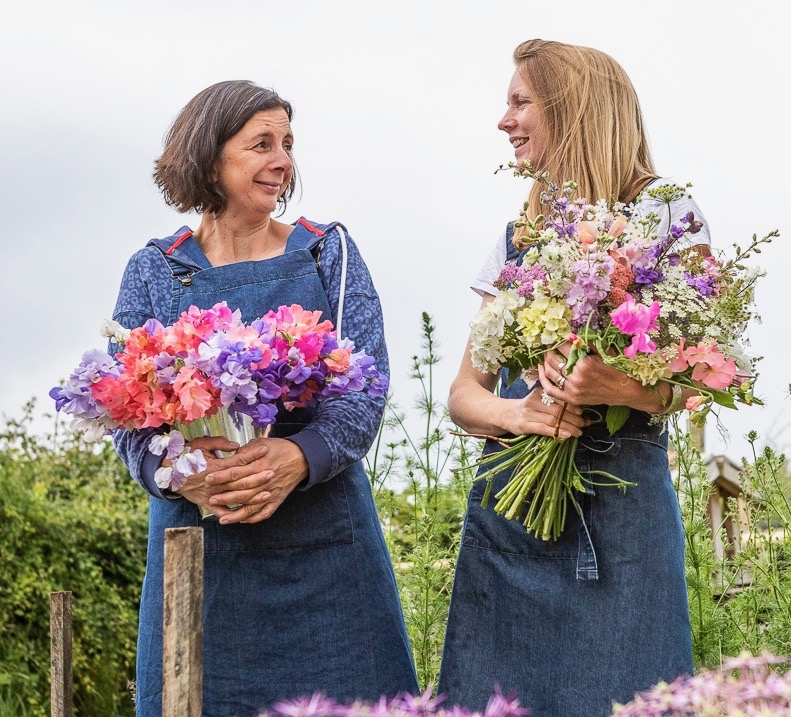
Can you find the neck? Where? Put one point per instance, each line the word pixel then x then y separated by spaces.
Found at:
pixel 229 239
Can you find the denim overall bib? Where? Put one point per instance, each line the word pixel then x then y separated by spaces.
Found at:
pixel 302 602
pixel 573 625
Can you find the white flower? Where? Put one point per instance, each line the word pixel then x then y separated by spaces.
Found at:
pixel 94 429
pixel 113 330
pixel 162 477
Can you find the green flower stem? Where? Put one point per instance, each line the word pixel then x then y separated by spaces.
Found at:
pixel 544 478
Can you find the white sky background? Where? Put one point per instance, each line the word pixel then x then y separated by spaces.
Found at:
pixel 395 122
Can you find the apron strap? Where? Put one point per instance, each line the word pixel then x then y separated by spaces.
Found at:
pixel 344 266
pixel 315 245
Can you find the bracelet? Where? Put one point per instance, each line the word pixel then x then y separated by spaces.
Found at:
pixel 676 401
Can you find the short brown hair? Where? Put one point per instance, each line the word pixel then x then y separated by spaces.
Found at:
pixel 185 172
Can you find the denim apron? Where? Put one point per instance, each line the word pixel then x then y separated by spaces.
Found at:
pixel 302 602
pixel 573 625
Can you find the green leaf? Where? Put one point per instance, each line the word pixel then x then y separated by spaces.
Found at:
pixel 616 417
pixel 723 398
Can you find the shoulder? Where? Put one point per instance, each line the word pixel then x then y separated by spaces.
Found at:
pixel 146 263
pixel 341 263
pixel 145 287
pixel 678 209
pixel 331 239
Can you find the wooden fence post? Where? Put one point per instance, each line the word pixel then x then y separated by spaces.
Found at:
pixel 182 654
pixel 60 639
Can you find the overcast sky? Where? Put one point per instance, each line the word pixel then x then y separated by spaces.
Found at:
pixel 395 124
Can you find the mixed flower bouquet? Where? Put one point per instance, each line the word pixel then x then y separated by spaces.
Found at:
pixel 209 373
pixel 633 289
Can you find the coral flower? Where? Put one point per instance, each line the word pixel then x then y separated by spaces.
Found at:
pixel 616 228
pixel 693 402
pixel 586 233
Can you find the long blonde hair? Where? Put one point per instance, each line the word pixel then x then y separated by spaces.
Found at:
pixel 596 134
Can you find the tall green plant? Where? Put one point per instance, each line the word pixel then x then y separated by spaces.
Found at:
pixel 422 505
pixel 742 601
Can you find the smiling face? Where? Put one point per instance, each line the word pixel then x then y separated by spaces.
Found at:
pixel 255 166
pixel 524 124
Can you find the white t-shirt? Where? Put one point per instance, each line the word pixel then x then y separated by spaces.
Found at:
pixel 492 266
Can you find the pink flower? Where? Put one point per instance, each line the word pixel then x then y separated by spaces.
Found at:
pixel 296 321
pixel 693 402
pixel 338 360
pixel 679 363
pixel 619 224
pixel 586 233
pixel 575 341
pixel 196 395
pixel 719 377
pixel 712 368
pixel 636 320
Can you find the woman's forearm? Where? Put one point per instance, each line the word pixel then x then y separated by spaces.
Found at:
pixel 477 410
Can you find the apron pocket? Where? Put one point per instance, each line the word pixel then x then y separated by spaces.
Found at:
pixel 312 518
pixel 486 529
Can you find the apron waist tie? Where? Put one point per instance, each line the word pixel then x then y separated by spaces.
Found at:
pixel 587 566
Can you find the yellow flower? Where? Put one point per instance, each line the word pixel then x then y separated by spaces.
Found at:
pixel 543 321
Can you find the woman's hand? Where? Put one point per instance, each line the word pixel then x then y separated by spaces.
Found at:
pixel 531 414
pixel 259 476
pixel 195 488
pixel 593 382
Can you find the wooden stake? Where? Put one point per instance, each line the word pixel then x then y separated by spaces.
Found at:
pixel 60 654
pixel 182 654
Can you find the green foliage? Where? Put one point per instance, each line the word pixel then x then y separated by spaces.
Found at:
pixel 742 601
pixel 70 519
pixel 421 504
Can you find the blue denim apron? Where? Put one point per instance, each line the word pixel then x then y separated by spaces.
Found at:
pixel 573 625
pixel 302 602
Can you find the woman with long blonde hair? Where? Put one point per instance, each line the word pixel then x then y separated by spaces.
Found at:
pixel 572 625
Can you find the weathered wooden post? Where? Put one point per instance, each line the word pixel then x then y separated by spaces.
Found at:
pixel 182 654
pixel 60 654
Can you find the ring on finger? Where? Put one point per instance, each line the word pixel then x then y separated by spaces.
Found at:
pixel 546 399
pixel 561 382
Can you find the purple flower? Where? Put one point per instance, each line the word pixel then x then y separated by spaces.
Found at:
pixel 172 442
pixel 507 276
pixel 263 414
pixel 648 277
pixel 75 396
pixel 378 385
pixel 693 225
pixel 677 232
pixel 703 284
pixel 502 706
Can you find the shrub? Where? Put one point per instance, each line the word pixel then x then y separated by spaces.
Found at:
pixel 70 519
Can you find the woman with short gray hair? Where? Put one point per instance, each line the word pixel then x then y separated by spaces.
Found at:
pixel 299 593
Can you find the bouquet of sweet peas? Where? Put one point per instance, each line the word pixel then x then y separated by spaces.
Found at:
pixel 208 372
pixel 640 295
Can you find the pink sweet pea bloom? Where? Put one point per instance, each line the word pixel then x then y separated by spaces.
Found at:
pixel 617 227
pixel 679 363
pixel 719 377
pixel 711 367
pixel 636 320
pixel 693 402
pixel 338 360
pixel 586 233
pixel 296 321
pixel 196 395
